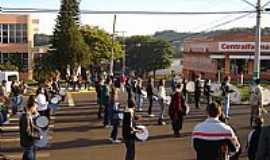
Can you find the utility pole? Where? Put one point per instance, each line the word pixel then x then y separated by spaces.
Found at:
pixel 257 58
pixel 112 51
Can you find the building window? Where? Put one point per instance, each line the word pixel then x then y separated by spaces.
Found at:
pixel 12 35
pixel 18 33
pixel 5 33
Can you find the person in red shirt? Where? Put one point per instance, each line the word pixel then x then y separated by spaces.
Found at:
pixel 176 110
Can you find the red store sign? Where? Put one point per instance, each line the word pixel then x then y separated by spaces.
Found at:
pixel 242 46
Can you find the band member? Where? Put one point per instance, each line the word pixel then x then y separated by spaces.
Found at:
pixel 42 103
pixel 256 102
pixel 115 114
pixel 27 130
pixel 253 138
pixel 184 88
pixel 207 91
pixel 139 95
pixel 264 143
pixel 105 94
pixel 129 129
pixel 162 98
pixel 226 90
pixel 150 94
pixel 176 110
pixel 213 139
pixel 198 91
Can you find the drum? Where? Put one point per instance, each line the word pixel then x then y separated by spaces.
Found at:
pixel 155 98
pixel 143 135
pixel 168 100
pixel 56 99
pixel 40 143
pixel 215 89
pixel 144 94
pixel 190 86
pixel 42 122
pixel 62 93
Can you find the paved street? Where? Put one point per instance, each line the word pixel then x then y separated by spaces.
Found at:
pixel 78 134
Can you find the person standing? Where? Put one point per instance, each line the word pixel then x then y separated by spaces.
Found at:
pixel 28 130
pixel 226 90
pixel 150 94
pixel 198 91
pixel 256 102
pixel 207 91
pixel 42 103
pixel 114 103
pixel 253 139
pixel 98 84
pixel 139 95
pixel 213 139
pixel 264 144
pixel 177 110
pixel 161 99
pixel 128 130
pixel 184 88
pixel 105 94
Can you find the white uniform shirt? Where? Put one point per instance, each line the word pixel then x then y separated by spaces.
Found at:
pixel 42 102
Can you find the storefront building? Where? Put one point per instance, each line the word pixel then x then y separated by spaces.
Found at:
pixel 225 54
pixel 17 41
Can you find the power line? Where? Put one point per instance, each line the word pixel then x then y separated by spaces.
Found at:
pixel 266 4
pixel 44 10
pixel 227 22
pixel 249 3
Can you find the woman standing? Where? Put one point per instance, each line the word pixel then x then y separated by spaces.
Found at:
pixel 27 130
pixel 162 98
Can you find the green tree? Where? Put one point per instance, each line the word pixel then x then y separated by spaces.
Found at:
pixel 16 60
pixel 100 44
pixel 145 54
pixel 68 46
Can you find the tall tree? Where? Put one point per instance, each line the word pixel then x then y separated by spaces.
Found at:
pixel 68 46
pixel 100 44
pixel 145 54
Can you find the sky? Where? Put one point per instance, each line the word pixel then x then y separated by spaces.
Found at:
pixel 148 24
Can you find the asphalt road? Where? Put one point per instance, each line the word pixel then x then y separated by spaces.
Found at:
pixel 79 134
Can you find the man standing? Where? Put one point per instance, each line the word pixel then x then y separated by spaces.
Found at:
pixel 256 102
pixel 129 129
pixel 198 91
pixel 150 94
pixel 226 90
pixel 213 139
pixel 264 144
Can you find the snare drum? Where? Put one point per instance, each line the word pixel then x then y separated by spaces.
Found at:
pixel 42 122
pixel 190 86
pixel 143 135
